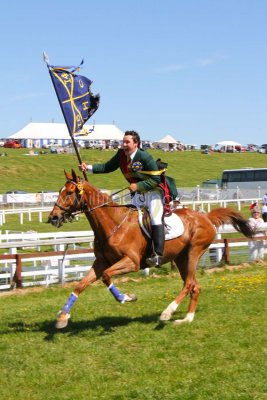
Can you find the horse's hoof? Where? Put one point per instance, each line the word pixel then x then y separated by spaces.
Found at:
pixel 165 317
pixel 62 320
pixel 187 320
pixel 130 297
pixel 182 321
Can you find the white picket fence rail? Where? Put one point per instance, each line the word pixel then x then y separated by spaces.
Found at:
pixel 24 212
pixel 39 268
pixel 64 264
pixel 206 205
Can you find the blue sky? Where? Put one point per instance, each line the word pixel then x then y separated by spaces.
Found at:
pixel 193 69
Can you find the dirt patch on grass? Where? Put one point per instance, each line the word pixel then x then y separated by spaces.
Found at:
pixel 235 267
pixel 125 279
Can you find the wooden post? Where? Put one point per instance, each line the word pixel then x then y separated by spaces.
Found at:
pixel 18 271
pixel 226 254
pixel 17 281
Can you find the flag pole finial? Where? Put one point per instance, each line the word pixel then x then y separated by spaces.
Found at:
pixel 45 57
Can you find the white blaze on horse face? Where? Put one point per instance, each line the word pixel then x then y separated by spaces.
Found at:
pixel 64 187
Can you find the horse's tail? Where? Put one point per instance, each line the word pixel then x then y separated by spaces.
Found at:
pixel 221 216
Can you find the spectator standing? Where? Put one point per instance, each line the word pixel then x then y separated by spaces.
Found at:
pixel 264 199
pixel 256 247
pixel 264 212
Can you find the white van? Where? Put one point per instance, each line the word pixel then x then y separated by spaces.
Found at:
pixel 94 144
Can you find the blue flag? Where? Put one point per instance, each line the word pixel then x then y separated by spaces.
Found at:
pixel 77 102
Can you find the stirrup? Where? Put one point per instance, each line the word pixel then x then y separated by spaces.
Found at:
pixel 154 261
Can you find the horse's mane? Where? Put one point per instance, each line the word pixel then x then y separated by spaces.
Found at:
pixel 105 198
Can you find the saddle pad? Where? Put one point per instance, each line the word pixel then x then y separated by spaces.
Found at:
pixel 174 226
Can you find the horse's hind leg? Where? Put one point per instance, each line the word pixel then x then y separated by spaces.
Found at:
pixel 64 314
pixel 194 289
pixel 186 263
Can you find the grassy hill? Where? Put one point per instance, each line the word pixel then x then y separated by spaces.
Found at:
pixel 46 171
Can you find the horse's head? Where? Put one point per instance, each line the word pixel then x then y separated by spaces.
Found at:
pixel 69 201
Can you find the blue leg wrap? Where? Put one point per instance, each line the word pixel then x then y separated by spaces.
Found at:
pixel 71 300
pixel 116 293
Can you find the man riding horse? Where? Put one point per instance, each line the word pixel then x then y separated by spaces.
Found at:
pixel 146 187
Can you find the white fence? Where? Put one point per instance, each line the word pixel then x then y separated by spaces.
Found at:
pixel 70 259
pixel 24 213
pixel 206 205
pixel 72 256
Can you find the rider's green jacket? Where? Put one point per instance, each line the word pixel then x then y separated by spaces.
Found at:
pixel 142 170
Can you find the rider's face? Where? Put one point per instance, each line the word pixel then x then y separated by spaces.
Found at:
pixel 129 146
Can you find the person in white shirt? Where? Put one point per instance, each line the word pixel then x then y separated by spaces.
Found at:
pixel 264 212
pixel 256 247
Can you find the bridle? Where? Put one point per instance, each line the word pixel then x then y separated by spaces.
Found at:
pixel 68 213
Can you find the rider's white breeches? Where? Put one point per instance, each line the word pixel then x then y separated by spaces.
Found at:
pixel 153 202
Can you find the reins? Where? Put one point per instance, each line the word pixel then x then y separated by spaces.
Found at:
pixel 85 207
pixel 110 201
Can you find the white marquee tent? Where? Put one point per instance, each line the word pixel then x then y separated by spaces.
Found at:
pixel 166 142
pixel 39 134
pixel 168 139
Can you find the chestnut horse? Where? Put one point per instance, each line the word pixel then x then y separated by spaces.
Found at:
pixel 120 246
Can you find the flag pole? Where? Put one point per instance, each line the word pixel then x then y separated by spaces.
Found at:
pixel 46 60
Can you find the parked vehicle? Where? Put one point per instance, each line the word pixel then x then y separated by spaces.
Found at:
pixel 252 147
pixel 199 195
pixel 93 144
pixel 115 144
pixel 53 150
pixel 244 183
pixel 245 178
pixel 2 143
pixel 50 144
pixel 263 149
pixel 12 144
pixel 147 146
pixel 203 194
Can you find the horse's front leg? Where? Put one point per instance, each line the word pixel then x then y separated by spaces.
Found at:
pixel 121 267
pixel 94 274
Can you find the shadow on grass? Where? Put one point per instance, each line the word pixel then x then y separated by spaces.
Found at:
pixel 102 326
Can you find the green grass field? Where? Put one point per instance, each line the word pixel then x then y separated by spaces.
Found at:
pixel 118 352
pixel 46 171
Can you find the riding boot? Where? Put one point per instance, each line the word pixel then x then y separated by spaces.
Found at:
pixel 158 238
